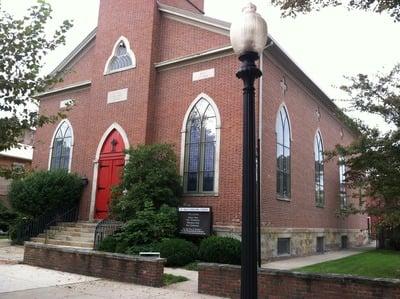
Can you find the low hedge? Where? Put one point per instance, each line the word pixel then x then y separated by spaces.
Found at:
pixel 178 252
pixel 224 250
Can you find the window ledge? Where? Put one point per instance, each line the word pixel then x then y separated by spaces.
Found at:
pixel 284 255
pixel 287 199
pixel 120 70
pixel 320 206
pixel 200 195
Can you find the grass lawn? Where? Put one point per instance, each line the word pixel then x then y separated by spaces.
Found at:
pixel 169 279
pixel 375 263
pixel 3 237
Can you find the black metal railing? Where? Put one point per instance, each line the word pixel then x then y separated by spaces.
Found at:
pixel 37 226
pixel 104 228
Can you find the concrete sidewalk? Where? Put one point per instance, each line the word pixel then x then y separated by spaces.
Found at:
pixel 23 281
pixel 27 282
pixel 298 262
pixel 10 254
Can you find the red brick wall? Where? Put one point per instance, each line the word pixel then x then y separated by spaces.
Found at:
pixel 184 4
pixel 301 210
pixel 176 91
pixel 177 39
pixel 143 271
pixel 224 281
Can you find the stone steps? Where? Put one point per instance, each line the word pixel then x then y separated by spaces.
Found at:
pixel 79 234
pixel 88 245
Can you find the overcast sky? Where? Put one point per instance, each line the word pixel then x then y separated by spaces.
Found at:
pixel 326 44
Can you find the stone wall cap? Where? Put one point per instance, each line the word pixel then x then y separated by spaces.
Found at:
pixel 84 251
pixel 338 278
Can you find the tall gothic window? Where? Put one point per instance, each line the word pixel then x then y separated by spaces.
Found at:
pixel 200 149
pixel 319 170
pixel 122 57
pixel 283 154
pixel 342 183
pixel 61 147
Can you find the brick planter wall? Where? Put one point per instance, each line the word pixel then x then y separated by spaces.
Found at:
pixel 224 281
pixel 139 270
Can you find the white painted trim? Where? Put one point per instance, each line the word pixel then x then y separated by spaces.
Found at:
pixel 318 131
pixel 52 144
pixel 217 137
pixel 283 105
pixel 114 126
pixel 199 55
pixel 65 88
pixel 130 53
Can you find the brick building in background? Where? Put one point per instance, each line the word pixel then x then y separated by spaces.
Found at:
pixel 15 158
pixel 162 72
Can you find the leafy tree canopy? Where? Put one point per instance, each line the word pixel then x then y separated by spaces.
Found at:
pixel 373 160
pixel 294 7
pixel 24 45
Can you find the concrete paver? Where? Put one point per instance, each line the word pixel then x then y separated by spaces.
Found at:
pixel 187 286
pixel 11 254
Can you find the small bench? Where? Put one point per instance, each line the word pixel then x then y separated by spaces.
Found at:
pixel 150 254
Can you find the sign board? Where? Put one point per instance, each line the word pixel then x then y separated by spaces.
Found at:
pixel 195 221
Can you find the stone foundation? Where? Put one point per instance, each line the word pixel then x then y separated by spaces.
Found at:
pixel 303 241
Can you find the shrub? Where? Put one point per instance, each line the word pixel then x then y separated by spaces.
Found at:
pixel 108 244
pixel 222 250
pixel 7 218
pixel 149 226
pixel 45 191
pixel 150 176
pixel 178 252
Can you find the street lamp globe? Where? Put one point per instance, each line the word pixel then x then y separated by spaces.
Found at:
pixel 249 32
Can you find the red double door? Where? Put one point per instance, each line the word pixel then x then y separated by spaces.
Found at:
pixel 111 165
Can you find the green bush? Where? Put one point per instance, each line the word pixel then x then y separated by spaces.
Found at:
pixel 148 227
pixel 7 218
pixel 178 252
pixel 44 191
pixel 149 176
pixel 222 250
pixel 108 244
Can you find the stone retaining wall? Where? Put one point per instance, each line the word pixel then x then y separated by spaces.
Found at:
pixel 303 241
pixel 224 281
pixel 139 270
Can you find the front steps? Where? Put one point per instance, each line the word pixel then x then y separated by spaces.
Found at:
pixel 79 234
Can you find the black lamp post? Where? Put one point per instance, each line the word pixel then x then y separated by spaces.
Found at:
pixel 248 38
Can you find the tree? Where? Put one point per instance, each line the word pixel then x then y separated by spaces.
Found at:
pixel 294 7
pixel 373 160
pixel 24 45
pixel 150 180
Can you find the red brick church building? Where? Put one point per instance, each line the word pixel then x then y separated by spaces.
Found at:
pixel 163 72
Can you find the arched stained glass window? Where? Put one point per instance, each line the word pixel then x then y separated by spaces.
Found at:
pixel 61 147
pixel 342 183
pixel 283 154
pixel 319 170
pixel 122 57
pixel 200 149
